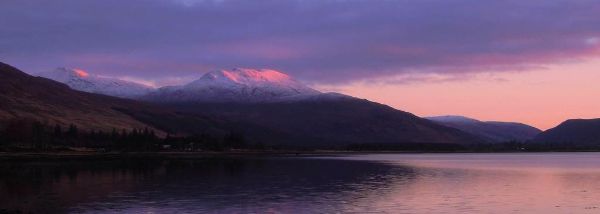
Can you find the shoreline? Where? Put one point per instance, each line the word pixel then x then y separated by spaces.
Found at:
pixel 8 156
pixel 161 155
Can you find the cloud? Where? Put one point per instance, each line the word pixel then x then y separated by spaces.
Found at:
pixel 322 41
pixel 423 78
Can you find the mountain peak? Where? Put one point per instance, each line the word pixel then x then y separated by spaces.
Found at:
pixel 63 74
pixel 246 82
pixel 81 80
pixel 247 75
pixel 237 85
pixel 81 73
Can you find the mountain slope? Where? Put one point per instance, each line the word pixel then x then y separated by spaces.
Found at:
pixel 237 85
pixel 491 130
pixel 335 120
pixel 35 98
pixel 83 81
pixel 27 97
pixel 574 132
pixel 273 101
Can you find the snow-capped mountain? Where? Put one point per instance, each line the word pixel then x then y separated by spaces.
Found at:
pixel 320 121
pixel 236 85
pixel 82 81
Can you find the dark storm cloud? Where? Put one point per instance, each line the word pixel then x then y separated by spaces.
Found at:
pixel 327 41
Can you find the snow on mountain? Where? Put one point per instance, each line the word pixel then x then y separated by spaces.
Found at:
pixel 236 85
pixel 82 81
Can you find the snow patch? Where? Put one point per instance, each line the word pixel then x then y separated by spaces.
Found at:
pixel 81 80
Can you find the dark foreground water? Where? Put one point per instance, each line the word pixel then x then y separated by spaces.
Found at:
pixel 390 183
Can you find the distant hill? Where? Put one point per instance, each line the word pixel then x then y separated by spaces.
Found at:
pixel 490 130
pixel 574 132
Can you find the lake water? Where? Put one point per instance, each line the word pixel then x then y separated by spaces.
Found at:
pixel 378 183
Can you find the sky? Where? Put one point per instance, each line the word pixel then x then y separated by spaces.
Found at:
pixel 534 61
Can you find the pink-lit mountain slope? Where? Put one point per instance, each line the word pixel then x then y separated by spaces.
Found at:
pixel 236 85
pixel 83 81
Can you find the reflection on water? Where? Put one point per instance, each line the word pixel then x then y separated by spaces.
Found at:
pixel 398 183
pixel 224 185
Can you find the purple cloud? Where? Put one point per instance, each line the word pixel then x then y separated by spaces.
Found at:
pixel 326 41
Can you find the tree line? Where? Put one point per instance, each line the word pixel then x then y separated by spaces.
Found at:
pixel 34 135
pixel 28 135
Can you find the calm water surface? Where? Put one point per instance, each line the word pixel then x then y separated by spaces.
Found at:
pixel 381 183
